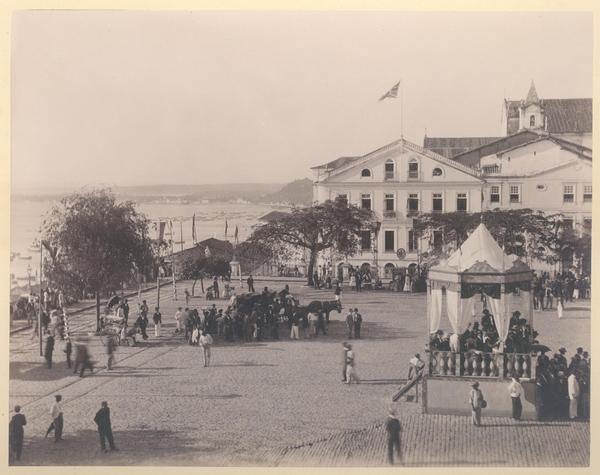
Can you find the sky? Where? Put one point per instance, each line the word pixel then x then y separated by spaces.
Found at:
pixel 141 98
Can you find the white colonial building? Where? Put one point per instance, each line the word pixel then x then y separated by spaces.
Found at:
pixel 397 182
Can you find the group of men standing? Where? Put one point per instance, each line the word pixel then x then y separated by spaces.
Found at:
pixel 354 323
pixel 18 421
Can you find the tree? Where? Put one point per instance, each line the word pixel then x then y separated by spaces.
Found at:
pixel 200 267
pixel 328 225
pixel 523 232
pixel 97 243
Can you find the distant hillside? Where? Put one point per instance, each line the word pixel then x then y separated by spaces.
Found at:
pixel 298 192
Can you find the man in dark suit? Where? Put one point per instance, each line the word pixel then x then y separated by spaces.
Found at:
pixel 49 350
pixel 16 433
pixel 393 429
pixel 357 317
pixel 102 420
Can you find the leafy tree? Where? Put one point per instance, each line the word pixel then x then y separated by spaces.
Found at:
pixel 522 232
pixel 329 225
pixel 200 267
pixel 97 243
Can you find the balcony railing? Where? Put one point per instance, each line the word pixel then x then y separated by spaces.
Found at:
pixel 479 364
pixel 491 169
pixel 412 212
pixel 389 214
pixel 389 176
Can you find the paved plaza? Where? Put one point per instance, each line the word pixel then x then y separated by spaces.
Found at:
pixel 275 403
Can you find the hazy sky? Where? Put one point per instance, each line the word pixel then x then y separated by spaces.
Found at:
pixel 192 97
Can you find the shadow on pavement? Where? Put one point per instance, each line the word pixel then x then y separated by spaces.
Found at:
pixel 136 447
pixel 27 371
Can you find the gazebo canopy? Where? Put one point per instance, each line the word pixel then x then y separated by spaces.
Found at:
pixel 481 260
pixel 479 266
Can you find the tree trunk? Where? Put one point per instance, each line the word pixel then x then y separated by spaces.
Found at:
pixel 311 265
pixel 202 284
pixel 97 310
pixel 194 286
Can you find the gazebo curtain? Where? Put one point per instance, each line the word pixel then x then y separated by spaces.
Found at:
pixel 460 311
pixel 434 309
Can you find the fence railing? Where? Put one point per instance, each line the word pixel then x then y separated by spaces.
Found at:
pixel 479 364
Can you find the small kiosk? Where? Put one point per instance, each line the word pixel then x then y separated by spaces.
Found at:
pixel 478 275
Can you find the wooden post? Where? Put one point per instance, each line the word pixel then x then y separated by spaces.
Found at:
pixel 40 304
pixel 158 288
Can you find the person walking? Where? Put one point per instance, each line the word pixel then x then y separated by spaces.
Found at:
pixel 68 350
pixel 295 330
pixel 49 349
pixel 56 412
pixel 250 283
pixel 82 357
pixel 125 306
pixel 16 433
pixel 142 322
pixel 350 323
pixel 477 403
pixel 206 341
pixel 216 287
pixel 573 385
pixel 351 366
pixel 110 352
pixel 357 320
pixel 178 315
pixel 157 318
pixel 187 297
pixel 344 360
pixel 312 325
pixel 102 420
pixel 393 429
pixel 337 293
pixel 515 389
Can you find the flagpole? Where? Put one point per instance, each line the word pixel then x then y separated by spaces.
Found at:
pixel 40 302
pixel 401 109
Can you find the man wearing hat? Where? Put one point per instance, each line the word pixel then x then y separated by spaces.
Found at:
pixel 57 419
pixel 102 420
pixel 393 429
pixel 477 403
pixel 561 360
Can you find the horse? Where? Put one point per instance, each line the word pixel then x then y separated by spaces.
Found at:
pixel 325 307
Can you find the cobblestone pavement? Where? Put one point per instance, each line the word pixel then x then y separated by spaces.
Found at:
pixel 259 398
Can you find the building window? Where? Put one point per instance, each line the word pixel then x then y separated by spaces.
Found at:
pixel 587 226
pixel 412 242
pixel 532 121
pixel 437 172
pixel 495 194
pixel 365 201
pixel 389 241
pixel 365 240
pixel 389 202
pixel 587 194
pixel 365 172
pixel 567 224
pixel 461 202
pixel 344 197
pixel 413 203
pixel 389 170
pixel 438 203
pixel 413 169
pixel 515 194
pixel 568 194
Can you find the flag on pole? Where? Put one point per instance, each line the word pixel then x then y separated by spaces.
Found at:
pixel 225 228
pixel 194 228
pixel 392 93
pixel 235 235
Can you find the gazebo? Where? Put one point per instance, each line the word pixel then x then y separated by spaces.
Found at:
pixel 479 272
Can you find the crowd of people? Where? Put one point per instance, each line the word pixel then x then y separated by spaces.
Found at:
pixel 482 336
pixel 563 287
pixel 563 386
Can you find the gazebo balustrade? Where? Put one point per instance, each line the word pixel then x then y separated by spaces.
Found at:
pixel 480 364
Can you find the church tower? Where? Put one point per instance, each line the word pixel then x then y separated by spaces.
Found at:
pixel 531 112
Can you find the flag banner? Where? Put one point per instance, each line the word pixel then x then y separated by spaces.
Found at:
pixel 194 228
pixel 392 93
pixel 161 230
